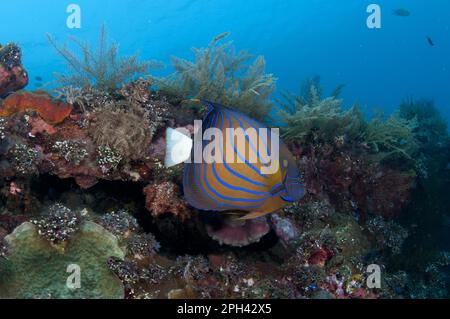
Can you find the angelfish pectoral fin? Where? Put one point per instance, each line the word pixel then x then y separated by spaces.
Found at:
pixel 178 147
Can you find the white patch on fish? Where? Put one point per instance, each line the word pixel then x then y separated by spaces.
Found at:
pixel 178 147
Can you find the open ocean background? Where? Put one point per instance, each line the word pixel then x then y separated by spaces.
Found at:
pixel 299 39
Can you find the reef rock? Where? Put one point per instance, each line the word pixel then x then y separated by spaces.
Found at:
pixel 13 76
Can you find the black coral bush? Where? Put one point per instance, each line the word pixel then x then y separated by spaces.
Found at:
pixel 220 74
pixel 101 67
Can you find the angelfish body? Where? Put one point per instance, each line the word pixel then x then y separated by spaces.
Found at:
pixel 239 186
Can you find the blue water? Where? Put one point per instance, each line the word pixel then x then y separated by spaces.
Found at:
pixel 299 38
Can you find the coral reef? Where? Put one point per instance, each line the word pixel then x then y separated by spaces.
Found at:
pixel 309 118
pixel 320 119
pixel 82 181
pixel 107 158
pixel 120 223
pixel 143 245
pixel 13 76
pixel 24 159
pixel 156 200
pixel 58 224
pixel 388 233
pixel 71 151
pixel 125 132
pixel 29 277
pixel 52 111
pixel 221 75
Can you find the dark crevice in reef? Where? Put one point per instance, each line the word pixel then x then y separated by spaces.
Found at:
pixel 176 237
pixel 50 187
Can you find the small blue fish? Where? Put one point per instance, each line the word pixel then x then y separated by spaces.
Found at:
pixel 240 187
pixel 312 286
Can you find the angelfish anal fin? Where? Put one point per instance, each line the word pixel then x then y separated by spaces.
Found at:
pixel 252 215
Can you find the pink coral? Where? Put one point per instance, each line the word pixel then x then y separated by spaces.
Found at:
pixel 14 189
pixel 241 233
pixel 320 256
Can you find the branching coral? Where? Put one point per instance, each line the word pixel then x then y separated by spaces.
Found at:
pixel 58 224
pixel 102 68
pixel 24 159
pixel 73 151
pixel 121 223
pixel 221 75
pixel 324 119
pixel 107 158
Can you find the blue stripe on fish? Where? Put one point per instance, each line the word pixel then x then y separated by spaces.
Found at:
pixel 228 168
pixel 249 142
pixel 238 153
pixel 232 199
pixel 222 182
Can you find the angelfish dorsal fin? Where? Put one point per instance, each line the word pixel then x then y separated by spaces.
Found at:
pixel 178 147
